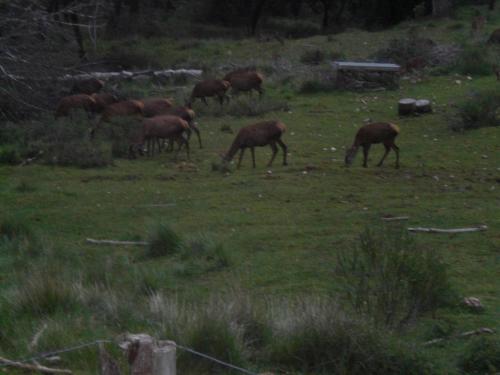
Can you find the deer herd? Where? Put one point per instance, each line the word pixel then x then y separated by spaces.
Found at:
pixel 162 121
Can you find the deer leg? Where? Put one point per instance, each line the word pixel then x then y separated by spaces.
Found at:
pixel 285 150
pixel 186 142
pixel 241 158
pixel 261 92
pixel 197 131
pixel 366 149
pixel 387 149
pixel 204 101
pixel 396 150
pixel 275 151
pixel 252 150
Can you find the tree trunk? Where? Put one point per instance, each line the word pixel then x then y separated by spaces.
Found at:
pixel 326 15
pixel 441 8
pixel 491 5
pixel 256 15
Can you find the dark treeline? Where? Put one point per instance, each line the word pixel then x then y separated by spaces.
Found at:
pixel 329 14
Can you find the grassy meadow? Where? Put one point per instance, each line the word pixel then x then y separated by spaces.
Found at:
pixel 269 236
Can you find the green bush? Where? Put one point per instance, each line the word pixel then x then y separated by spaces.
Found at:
pixel 391 280
pixel 9 154
pixel 318 338
pixel 163 241
pixel 475 60
pixel 312 86
pixel 313 57
pixel 480 109
pixel 202 253
pixel 482 356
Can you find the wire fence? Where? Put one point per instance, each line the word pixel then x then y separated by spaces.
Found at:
pixel 97 342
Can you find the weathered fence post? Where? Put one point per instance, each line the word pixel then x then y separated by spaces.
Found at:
pixel 164 356
pixel 147 356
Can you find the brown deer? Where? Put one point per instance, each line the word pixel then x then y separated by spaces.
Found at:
pixel 209 88
pixel 188 115
pixel 245 81
pixel 161 127
pixel 156 106
pixel 70 103
pixel 123 108
pixel 256 135
pixel 87 86
pixel 103 100
pixel 378 132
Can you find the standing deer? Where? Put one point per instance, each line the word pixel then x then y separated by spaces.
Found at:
pixel 209 88
pixel 161 127
pixel 259 134
pixel 378 132
pixel 246 81
pixel 70 103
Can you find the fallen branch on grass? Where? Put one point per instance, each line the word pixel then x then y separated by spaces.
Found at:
pixel 479 228
pixel 395 218
pixel 38 368
pixel 476 332
pixel 114 242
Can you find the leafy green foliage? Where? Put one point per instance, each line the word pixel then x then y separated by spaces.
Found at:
pixel 391 280
pixel 163 240
pixel 480 109
pixel 481 356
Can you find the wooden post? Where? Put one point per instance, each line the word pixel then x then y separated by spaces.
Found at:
pixel 146 356
pixel 406 106
pixel 164 357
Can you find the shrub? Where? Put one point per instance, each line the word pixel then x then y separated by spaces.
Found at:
pixel 480 109
pixel 313 57
pixel 402 50
pixel 9 154
pixel 163 241
pixel 390 280
pixel 482 356
pixel 475 60
pixel 202 254
pixel 318 338
pixel 312 86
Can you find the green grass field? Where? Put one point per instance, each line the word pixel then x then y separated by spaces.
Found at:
pixel 281 227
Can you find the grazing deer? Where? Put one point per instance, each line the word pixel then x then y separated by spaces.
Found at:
pixel 259 134
pixel 161 127
pixel 103 100
pixel 209 88
pixel 379 132
pixel 70 103
pixel 156 106
pixel 187 114
pixel 245 80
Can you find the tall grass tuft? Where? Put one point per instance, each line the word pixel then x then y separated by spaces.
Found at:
pixel 392 281
pixel 163 241
pixel 44 293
